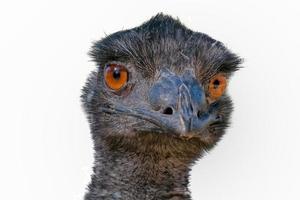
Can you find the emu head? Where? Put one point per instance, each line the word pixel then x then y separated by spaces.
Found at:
pixel 159 87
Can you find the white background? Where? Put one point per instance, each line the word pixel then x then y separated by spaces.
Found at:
pixel 45 145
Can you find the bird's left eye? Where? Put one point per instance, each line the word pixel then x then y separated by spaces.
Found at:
pixel 116 76
pixel 217 86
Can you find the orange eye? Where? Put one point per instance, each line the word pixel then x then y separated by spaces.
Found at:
pixel 115 76
pixel 217 86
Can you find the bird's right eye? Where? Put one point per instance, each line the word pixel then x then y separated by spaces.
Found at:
pixel 116 76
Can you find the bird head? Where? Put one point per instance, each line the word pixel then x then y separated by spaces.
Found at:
pixel 159 84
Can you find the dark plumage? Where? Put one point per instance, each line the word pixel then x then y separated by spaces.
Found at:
pixel 148 134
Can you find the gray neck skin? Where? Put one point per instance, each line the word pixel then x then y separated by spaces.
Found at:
pixel 134 175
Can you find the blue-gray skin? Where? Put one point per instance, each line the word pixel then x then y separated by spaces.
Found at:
pixel 148 135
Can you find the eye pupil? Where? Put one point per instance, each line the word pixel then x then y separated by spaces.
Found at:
pixel 216 83
pixel 116 74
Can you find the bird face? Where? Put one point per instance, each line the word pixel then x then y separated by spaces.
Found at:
pixel 174 104
pixel 160 79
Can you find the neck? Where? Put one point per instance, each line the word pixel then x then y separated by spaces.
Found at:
pixel 142 170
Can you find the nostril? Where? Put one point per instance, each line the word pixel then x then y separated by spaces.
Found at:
pixel 168 111
pixel 198 114
pixel 202 114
